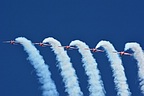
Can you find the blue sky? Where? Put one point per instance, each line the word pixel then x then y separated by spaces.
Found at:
pixel 90 21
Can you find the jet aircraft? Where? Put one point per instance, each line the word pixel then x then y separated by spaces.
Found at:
pixel 94 50
pixel 42 44
pixel 68 47
pixel 13 42
pixel 123 53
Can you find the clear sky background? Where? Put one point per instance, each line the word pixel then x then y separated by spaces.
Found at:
pixel 118 21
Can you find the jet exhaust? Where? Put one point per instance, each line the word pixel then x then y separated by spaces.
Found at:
pixel 48 86
pixel 96 87
pixel 139 56
pixel 67 71
pixel 120 79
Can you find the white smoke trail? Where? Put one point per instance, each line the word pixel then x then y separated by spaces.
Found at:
pixel 117 68
pixel 95 83
pixel 67 71
pixel 139 56
pixel 49 88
